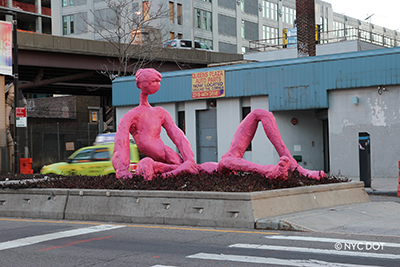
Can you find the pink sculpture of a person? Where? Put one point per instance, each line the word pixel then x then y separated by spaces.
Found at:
pixel 233 160
pixel 144 123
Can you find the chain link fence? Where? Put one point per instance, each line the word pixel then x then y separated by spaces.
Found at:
pixel 55 142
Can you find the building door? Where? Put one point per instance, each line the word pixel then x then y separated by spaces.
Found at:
pixel 206 125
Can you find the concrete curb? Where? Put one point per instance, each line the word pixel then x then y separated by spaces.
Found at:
pixel 206 209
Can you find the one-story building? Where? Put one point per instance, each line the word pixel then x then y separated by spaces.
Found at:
pixel 338 113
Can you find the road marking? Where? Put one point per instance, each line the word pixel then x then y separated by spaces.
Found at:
pixel 162 266
pixel 47 237
pixel 149 226
pixel 78 242
pixel 319 251
pixel 274 261
pixel 331 240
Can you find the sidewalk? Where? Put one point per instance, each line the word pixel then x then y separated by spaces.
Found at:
pixel 371 218
pixel 384 186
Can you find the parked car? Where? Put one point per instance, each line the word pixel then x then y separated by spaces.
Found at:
pixel 92 160
pixel 186 44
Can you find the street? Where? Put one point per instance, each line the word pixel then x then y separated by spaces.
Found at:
pixel 29 242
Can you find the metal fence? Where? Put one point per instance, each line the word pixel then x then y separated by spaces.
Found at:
pixel 55 142
pixel 325 37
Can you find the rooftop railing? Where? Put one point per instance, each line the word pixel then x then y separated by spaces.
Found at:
pixel 327 37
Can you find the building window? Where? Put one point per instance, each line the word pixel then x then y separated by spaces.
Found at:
pixel 71 24
pixel 180 36
pixel 209 1
pixel 206 41
pixel 145 7
pixel 68 24
pixel 243 29
pixel 203 19
pixel 65 25
pixel 289 15
pixel 270 35
pixel 171 12
pixel 270 10
pixel 180 18
pixel 242 5
pixel 338 28
pixel 198 18
pixel 67 3
pixel 171 35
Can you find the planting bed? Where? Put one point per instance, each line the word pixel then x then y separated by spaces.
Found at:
pixel 227 182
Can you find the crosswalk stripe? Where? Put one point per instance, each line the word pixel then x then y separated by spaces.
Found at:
pixel 47 237
pixel 274 261
pixel 320 251
pixel 331 240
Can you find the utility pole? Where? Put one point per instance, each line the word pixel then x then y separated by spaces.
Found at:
pixel 17 93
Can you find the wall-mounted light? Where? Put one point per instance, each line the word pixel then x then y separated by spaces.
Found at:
pixel 294 121
pixel 355 100
pixel 381 89
pixel 238 2
pixel 213 103
pixel 260 7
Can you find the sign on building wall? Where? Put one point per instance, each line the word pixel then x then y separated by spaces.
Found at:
pixel 5 48
pixel 208 84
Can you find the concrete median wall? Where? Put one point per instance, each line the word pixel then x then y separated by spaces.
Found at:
pixel 211 209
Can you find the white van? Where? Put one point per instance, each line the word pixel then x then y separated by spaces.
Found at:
pixel 186 44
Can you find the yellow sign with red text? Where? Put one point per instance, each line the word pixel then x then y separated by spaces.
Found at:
pixel 208 84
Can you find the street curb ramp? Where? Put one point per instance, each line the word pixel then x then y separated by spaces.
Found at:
pixel 205 209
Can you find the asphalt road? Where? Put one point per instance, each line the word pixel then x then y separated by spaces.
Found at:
pixel 26 242
pixel 70 243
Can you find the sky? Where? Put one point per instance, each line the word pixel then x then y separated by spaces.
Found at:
pixel 386 12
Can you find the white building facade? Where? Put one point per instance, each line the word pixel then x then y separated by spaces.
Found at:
pixel 231 26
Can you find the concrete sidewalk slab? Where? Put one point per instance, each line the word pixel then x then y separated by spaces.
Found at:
pixel 372 218
pixel 383 186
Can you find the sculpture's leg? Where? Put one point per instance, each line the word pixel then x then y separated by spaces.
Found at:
pixel 245 134
pixel 147 168
pixel 279 171
pixel 271 130
pixel 186 167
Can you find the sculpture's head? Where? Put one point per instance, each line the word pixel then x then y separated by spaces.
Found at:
pixel 148 80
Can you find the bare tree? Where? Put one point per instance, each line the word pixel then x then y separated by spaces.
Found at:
pixel 133 31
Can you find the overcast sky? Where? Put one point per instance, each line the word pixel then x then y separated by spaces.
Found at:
pixel 386 12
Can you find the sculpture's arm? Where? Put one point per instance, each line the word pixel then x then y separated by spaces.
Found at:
pixel 121 154
pixel 178 137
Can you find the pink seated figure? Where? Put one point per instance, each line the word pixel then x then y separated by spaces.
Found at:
pixel 233 159
pixel 144 123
